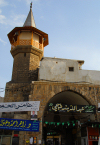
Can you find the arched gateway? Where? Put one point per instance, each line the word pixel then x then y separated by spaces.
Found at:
pixel 64 119
pixel 72 127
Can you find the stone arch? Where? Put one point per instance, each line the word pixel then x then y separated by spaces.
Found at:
pixel 81 93
pixel 68 90
pixel 70 117
pixel 80 90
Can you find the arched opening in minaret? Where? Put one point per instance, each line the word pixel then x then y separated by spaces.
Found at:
pixel 65 119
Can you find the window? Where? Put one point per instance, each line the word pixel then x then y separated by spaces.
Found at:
pixel 71 68
pixel 24 54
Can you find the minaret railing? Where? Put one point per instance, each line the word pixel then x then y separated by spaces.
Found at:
pixel 24 42
pixel 27 42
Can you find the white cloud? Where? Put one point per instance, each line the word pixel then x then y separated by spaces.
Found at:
pixel 16 20
pixel 42 17
pixel 3 41
pixel 88 55
pixel 3 3
pixel 0 11
pixel 2 19
pixel 13 20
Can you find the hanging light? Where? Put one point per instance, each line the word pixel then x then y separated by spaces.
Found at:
pixel 58 123
pixel 51 123
pixel 73 124
pixel 68 123
pixel 63 123
pixel 46 122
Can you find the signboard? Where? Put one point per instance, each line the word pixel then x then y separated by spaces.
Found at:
pixel 58 107
pixel 20 106
pixel 19 124
pixel 31 140
pixel 98 107
pixel 33 115
pixel 35 140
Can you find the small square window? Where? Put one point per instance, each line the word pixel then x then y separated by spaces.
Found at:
pixel 71 68
pixel 24 54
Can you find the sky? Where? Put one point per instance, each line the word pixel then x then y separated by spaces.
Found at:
pixel 73 27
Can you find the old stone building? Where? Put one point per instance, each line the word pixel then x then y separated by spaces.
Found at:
pixel 53 81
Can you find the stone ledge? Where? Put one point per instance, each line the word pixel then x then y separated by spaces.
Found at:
pixel 27 49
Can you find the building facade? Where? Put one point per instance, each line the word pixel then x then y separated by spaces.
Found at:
pixel 52 81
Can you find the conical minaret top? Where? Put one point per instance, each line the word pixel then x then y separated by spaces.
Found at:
pixel 30 19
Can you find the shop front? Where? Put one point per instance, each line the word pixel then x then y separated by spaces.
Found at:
pixel 5 139
pixel 93 135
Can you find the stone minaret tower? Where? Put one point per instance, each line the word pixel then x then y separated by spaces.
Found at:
pixel 27 48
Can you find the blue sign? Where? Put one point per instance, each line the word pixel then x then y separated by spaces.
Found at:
pixel 19 124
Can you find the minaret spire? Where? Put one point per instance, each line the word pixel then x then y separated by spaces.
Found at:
pixel 30 19
pixel 31 5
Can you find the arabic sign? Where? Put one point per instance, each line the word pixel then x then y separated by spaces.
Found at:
pixel 20 106
pixel 58 107
pixel 18 124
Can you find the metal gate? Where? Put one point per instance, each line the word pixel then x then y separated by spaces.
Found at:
pixel 5 140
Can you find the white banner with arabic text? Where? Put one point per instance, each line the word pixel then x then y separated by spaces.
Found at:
pixel 19 106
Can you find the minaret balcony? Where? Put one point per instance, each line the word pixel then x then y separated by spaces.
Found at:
pixel 27 42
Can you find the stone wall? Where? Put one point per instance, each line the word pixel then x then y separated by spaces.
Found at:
pixel 26 63
pixel 43 92
pixel 17 92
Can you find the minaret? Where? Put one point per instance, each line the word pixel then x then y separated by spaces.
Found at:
pixel 27 49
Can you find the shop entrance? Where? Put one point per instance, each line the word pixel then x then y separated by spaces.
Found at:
pixel 51 140
pixel 61 128
pixel 5 140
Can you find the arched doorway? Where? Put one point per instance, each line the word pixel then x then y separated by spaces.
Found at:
pixel 63 127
